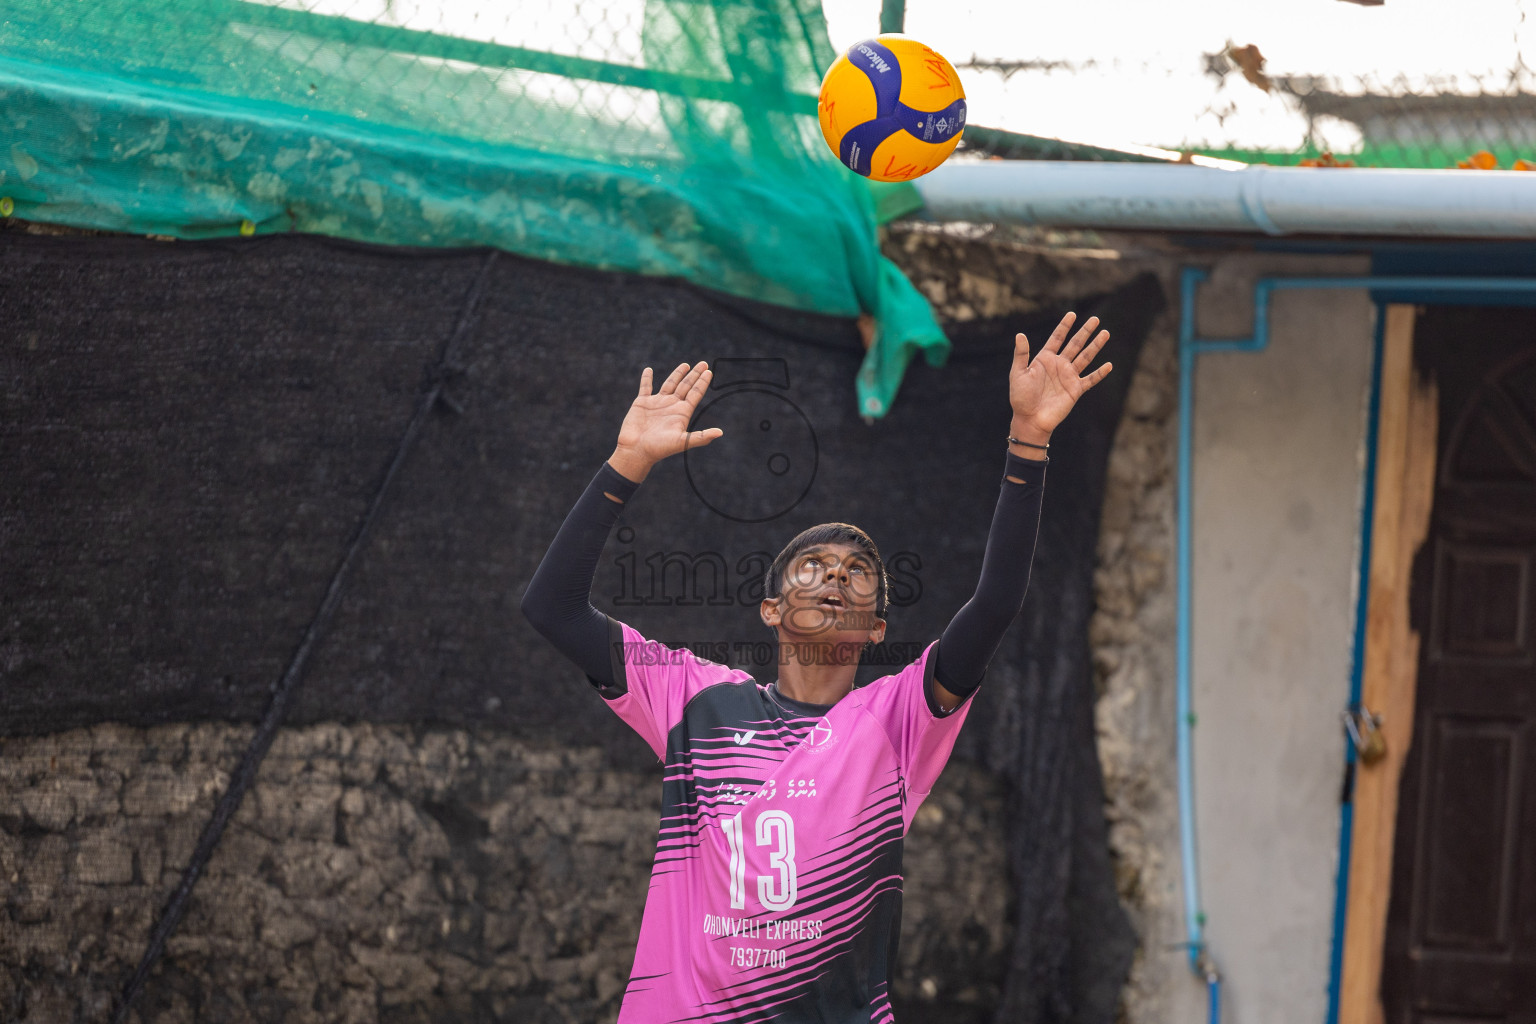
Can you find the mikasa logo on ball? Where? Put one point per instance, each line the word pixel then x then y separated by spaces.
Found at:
pixel 875 59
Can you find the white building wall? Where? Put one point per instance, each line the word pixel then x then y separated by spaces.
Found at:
pixel 1279 442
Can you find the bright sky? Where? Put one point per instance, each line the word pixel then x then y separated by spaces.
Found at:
pixel 1147 85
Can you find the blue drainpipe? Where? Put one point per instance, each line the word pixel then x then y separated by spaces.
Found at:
pixel 1201 961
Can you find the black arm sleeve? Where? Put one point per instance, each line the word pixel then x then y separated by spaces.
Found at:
pixel 558 601
pixel 973 635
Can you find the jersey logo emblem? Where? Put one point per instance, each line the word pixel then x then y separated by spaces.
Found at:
pixel 743 738
pixel 820 737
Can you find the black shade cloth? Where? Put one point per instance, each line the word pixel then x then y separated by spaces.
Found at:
pixel 191 431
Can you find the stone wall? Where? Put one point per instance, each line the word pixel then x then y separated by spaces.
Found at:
pixel 1132 635
pixel 974 271
pixel 393 874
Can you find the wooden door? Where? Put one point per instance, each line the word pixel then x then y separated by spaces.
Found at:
pixel 1461 928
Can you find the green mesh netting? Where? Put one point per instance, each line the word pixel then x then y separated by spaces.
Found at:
pixel 670 137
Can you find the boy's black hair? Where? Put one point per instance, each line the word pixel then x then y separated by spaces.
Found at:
pixel 816 536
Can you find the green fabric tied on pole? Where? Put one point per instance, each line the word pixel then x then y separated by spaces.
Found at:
pixel 665 137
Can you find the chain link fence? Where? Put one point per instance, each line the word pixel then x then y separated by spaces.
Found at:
pixel 1401 84
pixel 1475 120
pixel 588 77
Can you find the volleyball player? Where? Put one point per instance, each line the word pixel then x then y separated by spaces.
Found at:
pixel 776 888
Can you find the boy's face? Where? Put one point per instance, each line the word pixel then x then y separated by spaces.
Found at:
pixel 829 593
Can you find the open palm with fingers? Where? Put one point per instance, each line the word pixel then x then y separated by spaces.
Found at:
pixel 656 425
pixel 1044 389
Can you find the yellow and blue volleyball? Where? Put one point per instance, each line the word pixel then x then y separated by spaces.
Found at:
pixel 891 108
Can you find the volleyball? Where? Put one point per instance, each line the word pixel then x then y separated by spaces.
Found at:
pixel 891 108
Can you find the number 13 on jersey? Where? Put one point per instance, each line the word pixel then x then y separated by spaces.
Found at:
pixel 774 891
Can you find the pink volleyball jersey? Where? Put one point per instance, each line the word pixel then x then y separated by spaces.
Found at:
pixel 776 890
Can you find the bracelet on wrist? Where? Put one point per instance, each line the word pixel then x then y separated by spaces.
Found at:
pixel 1029 444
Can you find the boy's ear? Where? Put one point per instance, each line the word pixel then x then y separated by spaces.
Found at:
pixel 877 634
pixel 769 610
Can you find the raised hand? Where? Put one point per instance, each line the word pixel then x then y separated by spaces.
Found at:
pixel 1044 389
pixel 656 425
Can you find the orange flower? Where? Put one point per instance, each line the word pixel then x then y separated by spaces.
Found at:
pixel 1482 160
pixel 1325 160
